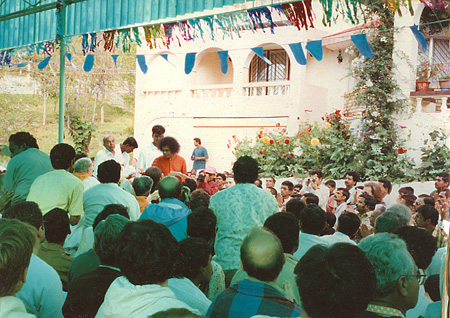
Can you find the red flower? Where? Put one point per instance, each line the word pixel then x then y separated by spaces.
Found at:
pixel 283 152
pixel 271 141
pixel 234 137
pixel 291 154
pixel 287 141
pixel 400 150
pixel 299 134
pixel 283 130
pixel 228 146
pixel 278 125
pixel 298 118
pixel 284 156
pixel 261 152
pixel 265 161
pixel 259 136
pixel 402 126
pixel 308 129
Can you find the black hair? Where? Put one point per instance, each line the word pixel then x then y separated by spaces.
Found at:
pixel 27 212
pixel 289 184
pixel 312 219
pixel 386 184
pixel 311 198
pixel 198 140
pixel 62 156
pixel 285 227
pixel 369 200
pixel 158 129
pixel 147 252
pixel 223 176
pixel 330 219
pixel 190 183
pixel 432 287
pixel 317 172
pixel 57 225
pixel 80 155
pixel 23 138
pixel 245 170
pixel 407 194
pixel 171 143
pixel 260 183
pixel 142 185
pixel 298 185
pixel 345 192
pixel 429 212
pixel 199 199
pixel 130 141
pixel 349 224
pixel 109 210
pixel 421 244
pixel 195 253
pixel 154 173
pixel 109 171
pixel 346 272
pixel 354 175
pixel 202 223
pixel 426 199
pixel 445 176
pixel 295 206
pixel 331 183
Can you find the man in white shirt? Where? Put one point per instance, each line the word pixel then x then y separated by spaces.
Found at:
pixel 351 180
pixel 312 223
pixel 107 153
pixel 150 152
pixel 386 187
pixel 122 151
pixel 314 185
pixel 348 226
pixel 341 196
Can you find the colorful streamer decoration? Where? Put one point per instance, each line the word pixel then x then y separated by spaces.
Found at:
pixel 136 36
pixel 114 57
pixel 315 48
pixel 260 52
pixel 299 55
pixel 124 38
pixel 108 37
pixel 223 58
pixel 189 62
pixel 360 41
pixel 43 64
pixel 299 13
pixel 419 37
pixel 142 63
pixel 88 63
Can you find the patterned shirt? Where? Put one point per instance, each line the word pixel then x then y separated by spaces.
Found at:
pixel 238 209
pixel 252 297
pixel 440 236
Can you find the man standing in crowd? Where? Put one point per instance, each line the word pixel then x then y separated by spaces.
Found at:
pixel 122 151
pixel 59 188
pixel 270 182
pixel 107 153
pixel 441 184
pixel 170 160
pixel 26 164
pixel 238 209
pixel 286 190
pixel 427 217
pixel 149 153
pixel 315 186
pixel 199 155
pixel 351 180
pixel 341 197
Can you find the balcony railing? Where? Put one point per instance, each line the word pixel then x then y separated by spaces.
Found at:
pixel 267 88
pixel 212 91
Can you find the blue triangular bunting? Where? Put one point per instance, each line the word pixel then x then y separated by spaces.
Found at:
pixel 114 57
pixel 299 55
pixel 165 56
pixel 419 37
pixel 142 63
pixel 69 57
pixel 43 64
pixel 260 52
pixel 315 48
pixel 360 41
pixel 88 63
pixel 189 62
pixel 23 64
pixel 223 57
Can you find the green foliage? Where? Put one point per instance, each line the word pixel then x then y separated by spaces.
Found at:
pixel 435 155
pixel 17 114
pixel 81 132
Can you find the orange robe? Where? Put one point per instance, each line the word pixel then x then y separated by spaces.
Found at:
pixel 177 163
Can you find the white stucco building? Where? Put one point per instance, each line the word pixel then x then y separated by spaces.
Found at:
pixel 253 94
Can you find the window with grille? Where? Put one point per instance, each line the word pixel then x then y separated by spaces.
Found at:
pixel 440 53
pixel 261 71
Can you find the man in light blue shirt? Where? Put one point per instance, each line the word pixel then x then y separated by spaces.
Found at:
pixel 199 155
pixel 312 223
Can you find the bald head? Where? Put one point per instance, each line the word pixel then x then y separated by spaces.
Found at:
pixel 262 255
pixel 169 187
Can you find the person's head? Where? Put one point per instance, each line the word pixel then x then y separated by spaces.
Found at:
pixel 197 142
pixel 199 199
pixel 169 146
pixel 142 185
pixel 316 176
pixel 336 281
pixel 421 244
pixel 442 180
pixel 396 216
pixel 202 223
pixel 331 184
pixel 175 313
pixel 310 198
pixel 158 132
pixel 245 170
pixel 109 142
pixel 262 255
pixel 330 222
pixel 270 182
pixel 109 172
pixel 273 192
pixel 341 195
pixel 351 179
pixel 258 183
pixel 27 212
pixel 386 186
pixel 374 189
pixel 147 252
pixel 57 226
pixel 190 183
pixel 130 144
pixel 169 187
pixel 406 196
pixel 106 234
pixel 108 210
pixel 423 199
pixel 444 196
pixel 297 188
pixel 312 219
pixel 83 165
pixel 154 173
pixel 20 142
pixel 295 206
pixel 62 156
pixel 395 270
pixel 286 189
pixel 220 179
pixel 195 260
pixel 426 217
pixel 365 203
pixel 210 173
pixel 285 227
pixel 16 246
pixel 348 224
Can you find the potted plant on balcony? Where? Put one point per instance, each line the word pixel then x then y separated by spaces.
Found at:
pixel 425 72
pixel 444 83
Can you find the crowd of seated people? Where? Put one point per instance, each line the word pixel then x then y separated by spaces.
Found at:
pixel 182 245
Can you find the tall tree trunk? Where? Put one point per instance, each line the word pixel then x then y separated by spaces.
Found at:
pixel 102 115
pixel 95 107
pixel 45 108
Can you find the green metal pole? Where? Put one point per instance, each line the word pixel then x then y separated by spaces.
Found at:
pixel 62 71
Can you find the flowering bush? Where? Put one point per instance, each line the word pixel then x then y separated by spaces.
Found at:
pixel 435 155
